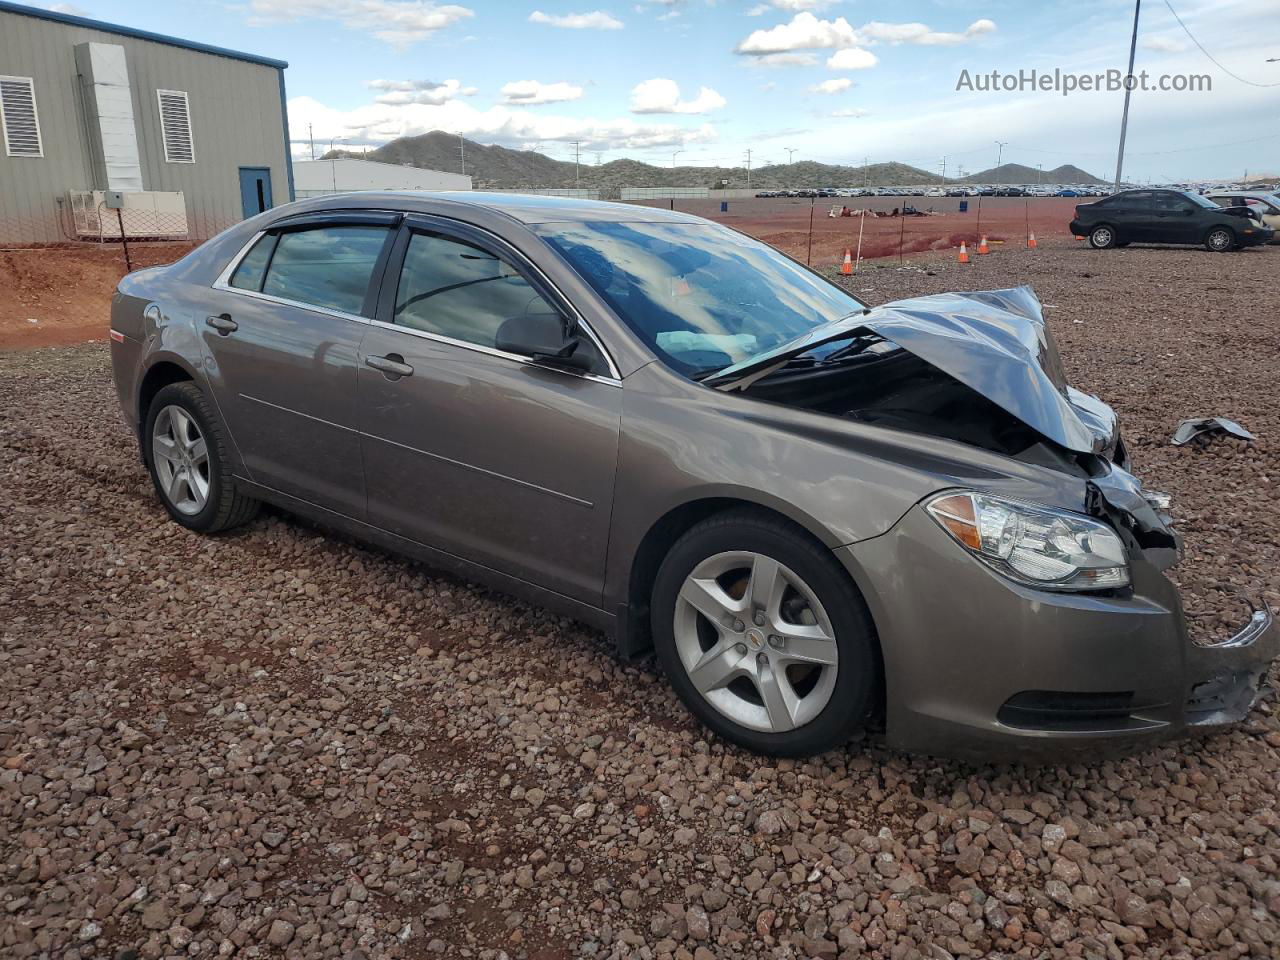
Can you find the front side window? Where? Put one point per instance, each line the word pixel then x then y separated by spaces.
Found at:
pixel 325 266
pixel 701 296
pixel 456 290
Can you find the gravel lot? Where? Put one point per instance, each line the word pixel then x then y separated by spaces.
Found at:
pixel 279 743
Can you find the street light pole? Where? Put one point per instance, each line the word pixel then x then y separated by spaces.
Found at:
pixel 673 158
pixel 1000 158
pixel 790 153
pixel 1128 92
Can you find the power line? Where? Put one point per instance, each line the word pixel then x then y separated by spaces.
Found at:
pixel 1187 30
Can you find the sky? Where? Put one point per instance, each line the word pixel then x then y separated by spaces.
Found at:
pixel 702 82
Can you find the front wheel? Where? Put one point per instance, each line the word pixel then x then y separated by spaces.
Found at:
pixel 764 636
pixel 1102 238
pixel 185 450
pixel 1219 240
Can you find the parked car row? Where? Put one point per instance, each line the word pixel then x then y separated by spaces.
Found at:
pixel 954 190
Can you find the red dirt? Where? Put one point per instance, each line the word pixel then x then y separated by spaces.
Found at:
pixel 784 223
pixel 57 295
pixel 66 290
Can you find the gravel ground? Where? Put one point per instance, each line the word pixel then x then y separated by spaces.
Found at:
pixel 279 743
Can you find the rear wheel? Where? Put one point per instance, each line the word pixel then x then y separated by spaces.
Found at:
pixel 1102 237
pixel 764 637
pixel 185 449
pixel 1219 240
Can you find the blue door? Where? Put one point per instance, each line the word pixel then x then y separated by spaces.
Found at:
pixel 255 190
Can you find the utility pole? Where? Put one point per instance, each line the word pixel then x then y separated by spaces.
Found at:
pixel 1000 157
pixel 312 137
pixel 1128 92
pixel 748 168
pixel 576 145
pixel 944 170
pixel 1039 174
pixel 462 153
pixel 866 172
pixel 790 153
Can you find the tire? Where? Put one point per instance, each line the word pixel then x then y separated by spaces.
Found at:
pixel 205 497
pixel 806 689
pixel 1102 237
pixel 1220 240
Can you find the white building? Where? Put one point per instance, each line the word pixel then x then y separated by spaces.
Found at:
pixel 314 178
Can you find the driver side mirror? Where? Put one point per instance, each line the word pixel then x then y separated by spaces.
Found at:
pixel 547 338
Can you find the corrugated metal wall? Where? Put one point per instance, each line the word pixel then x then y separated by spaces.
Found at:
pixel 236 120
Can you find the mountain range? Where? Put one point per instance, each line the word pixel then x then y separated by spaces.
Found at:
pixel 492 166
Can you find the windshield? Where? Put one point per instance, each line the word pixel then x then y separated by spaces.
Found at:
pixel 701 296
pixel 1198 199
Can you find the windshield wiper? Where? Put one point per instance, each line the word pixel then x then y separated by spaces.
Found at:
pixel 794 343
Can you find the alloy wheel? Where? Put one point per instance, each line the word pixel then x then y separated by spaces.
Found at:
pixel 1219 239
pixel 181 458
pixel 756 642
pixel 1102 237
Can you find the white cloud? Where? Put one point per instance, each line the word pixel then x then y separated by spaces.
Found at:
pixel 528 92
pixel 852 58
pixel 1163 44
pixel 791 6
pixel 661 95
pixel 376 123
pixel 851 112
pixel 400 92
pixel 836 85
pixel 803 32
pixel 397 22
pixel 595 20
pixel 783 60
pixel 920 34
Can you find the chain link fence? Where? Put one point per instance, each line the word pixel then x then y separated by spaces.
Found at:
pixel 58 272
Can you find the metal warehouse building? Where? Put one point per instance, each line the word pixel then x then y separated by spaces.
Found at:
pixel 314 178
pixel 192 137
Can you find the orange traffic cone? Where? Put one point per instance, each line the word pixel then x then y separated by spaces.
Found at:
pixel 846 268
pixel 1031 241
pixel 982 247
pixel 964 253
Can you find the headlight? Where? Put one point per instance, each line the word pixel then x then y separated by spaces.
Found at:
pixel 1035 545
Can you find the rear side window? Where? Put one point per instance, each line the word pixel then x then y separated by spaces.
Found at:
pixel 460 291
pixel 253 267
pixel 326 266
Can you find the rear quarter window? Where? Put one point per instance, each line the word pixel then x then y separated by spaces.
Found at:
pixel 253 267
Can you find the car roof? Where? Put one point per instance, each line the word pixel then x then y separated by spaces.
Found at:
pixel 523 207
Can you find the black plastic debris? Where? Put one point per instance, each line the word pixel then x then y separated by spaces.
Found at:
pixel 1212 426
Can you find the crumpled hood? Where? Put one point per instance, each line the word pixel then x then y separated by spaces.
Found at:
pixel 994 342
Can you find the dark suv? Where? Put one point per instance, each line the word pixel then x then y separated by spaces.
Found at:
pixel 1166 216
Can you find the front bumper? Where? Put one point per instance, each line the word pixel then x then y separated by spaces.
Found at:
pixel 979 667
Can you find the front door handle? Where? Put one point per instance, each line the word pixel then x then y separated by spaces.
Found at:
pixel 392 365
pixel 222 323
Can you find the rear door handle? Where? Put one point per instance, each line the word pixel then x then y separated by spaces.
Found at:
pixel 392 365
pixel 222 323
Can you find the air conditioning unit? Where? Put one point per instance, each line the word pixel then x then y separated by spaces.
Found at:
pixel 144 215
